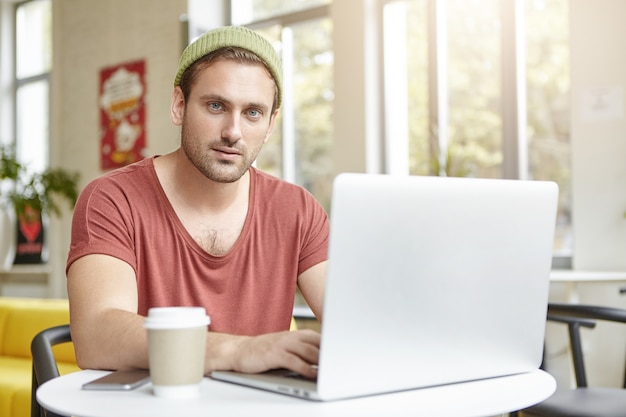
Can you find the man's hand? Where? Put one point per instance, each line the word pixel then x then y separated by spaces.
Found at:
pixel 297 351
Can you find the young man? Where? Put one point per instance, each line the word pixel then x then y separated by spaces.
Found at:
pixel 201 226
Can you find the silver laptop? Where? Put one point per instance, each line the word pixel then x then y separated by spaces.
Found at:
pixel 430 281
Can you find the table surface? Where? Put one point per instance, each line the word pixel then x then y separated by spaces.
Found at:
pixel 573 275
pixel 482 398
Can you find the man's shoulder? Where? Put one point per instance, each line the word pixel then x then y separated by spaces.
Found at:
pixel 267 182
pixel 286 198
pixel 133 178
pixel 130 172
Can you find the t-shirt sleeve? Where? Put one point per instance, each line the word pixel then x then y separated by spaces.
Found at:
pixel 102 224
pixel 315 238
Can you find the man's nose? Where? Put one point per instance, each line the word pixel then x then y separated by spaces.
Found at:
pixel 231 130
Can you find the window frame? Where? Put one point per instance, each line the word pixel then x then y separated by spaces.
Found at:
pixel 19 83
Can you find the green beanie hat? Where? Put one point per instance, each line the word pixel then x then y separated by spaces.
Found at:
pixel 235 36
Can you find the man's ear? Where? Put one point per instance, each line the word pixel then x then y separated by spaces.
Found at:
pixel 177 108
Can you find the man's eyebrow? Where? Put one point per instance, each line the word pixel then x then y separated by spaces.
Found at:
pixel 214 97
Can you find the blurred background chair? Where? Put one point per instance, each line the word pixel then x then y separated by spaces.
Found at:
pixel 44 363
pixel 582 400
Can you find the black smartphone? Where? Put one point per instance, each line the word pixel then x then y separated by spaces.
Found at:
pixel 120 380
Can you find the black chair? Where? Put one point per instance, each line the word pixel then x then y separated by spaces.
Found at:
pixel 44 363
pixel 582 401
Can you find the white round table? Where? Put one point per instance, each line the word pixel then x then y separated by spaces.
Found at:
pixel 489 397
pixel 572 278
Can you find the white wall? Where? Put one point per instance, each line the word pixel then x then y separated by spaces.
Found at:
pixel 599 137
pixel 89 36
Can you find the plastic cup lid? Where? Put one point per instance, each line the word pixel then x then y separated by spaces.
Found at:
pixel 176 317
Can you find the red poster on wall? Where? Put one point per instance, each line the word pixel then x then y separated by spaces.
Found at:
pixel 122 114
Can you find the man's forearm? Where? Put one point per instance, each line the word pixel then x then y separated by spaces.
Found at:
pixel 114 339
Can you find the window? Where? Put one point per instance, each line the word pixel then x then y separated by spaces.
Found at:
pixel 33 62
pixel 299 149
pixel 480 88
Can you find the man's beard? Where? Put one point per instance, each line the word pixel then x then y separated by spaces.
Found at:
pixel 214 169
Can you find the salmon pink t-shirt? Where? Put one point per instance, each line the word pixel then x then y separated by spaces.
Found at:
pixel 250 290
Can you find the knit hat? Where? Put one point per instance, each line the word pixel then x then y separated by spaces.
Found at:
pixel 235 36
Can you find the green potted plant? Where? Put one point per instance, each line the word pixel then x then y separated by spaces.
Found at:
pixel 29 197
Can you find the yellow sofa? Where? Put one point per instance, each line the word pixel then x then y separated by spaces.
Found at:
pixel 20 320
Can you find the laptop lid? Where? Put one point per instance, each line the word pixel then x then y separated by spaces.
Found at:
pixel 432 281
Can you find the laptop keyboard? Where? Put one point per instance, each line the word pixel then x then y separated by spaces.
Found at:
pixel 286 373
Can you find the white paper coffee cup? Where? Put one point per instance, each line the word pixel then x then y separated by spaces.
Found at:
pixel 176 348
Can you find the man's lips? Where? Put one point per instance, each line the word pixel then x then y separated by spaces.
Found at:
pixel 227 152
